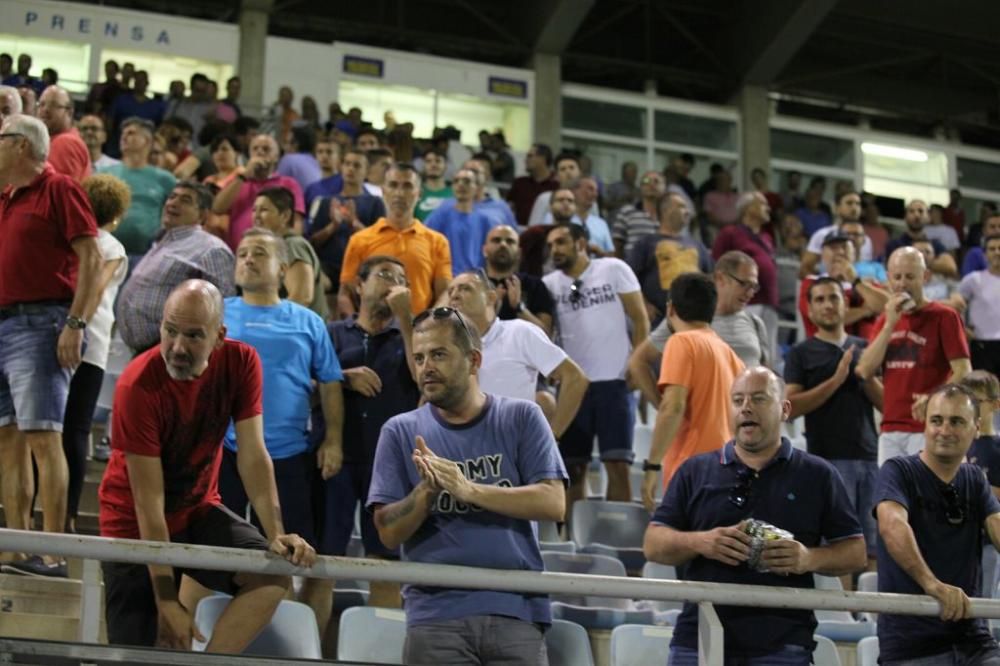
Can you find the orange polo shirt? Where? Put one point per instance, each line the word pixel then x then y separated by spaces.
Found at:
pixel 425 255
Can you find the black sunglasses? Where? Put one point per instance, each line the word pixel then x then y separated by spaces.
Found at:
pixel 740 494
pixel 576 291
pixel 954 507
pixel 444 313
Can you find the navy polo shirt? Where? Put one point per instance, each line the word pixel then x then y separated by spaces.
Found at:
pixel 796 491
pixel 952 551
pixel 364 417
pixel 985 453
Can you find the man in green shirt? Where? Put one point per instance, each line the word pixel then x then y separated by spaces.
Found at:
pixel 434 189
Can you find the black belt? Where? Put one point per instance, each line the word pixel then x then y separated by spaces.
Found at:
pixel 35 307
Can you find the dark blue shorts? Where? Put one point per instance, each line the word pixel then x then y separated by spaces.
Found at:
pixel 607 414
pixel 295 477
pixel 341 496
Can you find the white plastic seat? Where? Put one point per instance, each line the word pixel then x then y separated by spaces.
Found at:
pixel 662 572
pixel 578 563
pixel 568 644
pixel 839 625
pixel 868 651
pixel 825 653
pixel 372 635
pixel 620 525
pixel 633 644
pixel 292 632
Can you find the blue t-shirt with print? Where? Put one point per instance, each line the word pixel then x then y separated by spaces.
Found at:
pixel 508 444
pixel 466 233
pixel 294 347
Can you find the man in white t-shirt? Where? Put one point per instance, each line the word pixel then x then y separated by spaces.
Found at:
pixel 848 209
pixel 516 352
pixel 981 290
pixel 598 304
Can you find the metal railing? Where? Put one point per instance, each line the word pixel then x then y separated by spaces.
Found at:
pixel 706 595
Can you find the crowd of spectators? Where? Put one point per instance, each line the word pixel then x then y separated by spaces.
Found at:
pixel 349 307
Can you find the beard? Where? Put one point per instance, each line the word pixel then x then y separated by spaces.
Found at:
pixel 502 261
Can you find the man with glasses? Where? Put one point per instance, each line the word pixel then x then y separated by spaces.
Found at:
pixel 91 129
pixel 373 347
pixel 460 480
pixel 641 218
pixel 599 317
pixel 424 252
pixel 68 153
pixel 465 227
pixel 49 269
pixel 934 510
pixel 702 524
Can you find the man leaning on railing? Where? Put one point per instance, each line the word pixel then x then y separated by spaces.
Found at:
pixel 755 512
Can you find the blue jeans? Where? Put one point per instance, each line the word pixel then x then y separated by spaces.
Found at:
pixel 983 656
pixel 789 655
pixel 33 386
pixel 477 639
pixel 859 476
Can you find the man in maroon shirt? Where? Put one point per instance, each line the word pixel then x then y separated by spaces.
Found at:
pixel 49 265
pixel 68 154
pixel 173 405
pixel 524 191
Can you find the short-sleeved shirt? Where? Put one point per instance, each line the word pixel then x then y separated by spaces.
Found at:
pixel 985 454
pixel 816 245
pixel 843 427
pixel 294 348
pixel 498 211
pixel 180 422
pixel 852 299
pixel 981 290
pixel 150 187
pixel 524 191
pixel 534 294
pixel 745 334
pixel 241 212
pixel 952 552
pixel 425 255
pixel 700 361
pixel 510 444
pixel 593 328
pixel 301 167
pixel 68 155
pixel 514 354
pixel 943 234
pixel 429 201
pixel 975 260
pixel 300 250
pixel 795 491
pixel 659 258
pixel 367 207
pixel 99 326
pixel 466 234
pixel 40 222
pixel 324 187
pixel 631 224
pixel 385 354
pixel 760 247
pixel 918 360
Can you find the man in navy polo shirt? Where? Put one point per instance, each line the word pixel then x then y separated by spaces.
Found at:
pixel 931 508
pixel 757 475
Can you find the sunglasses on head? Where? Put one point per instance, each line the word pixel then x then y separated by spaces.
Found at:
pixel 444 313
pixel 954 507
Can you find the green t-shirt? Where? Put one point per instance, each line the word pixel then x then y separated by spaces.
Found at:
pixel 429 200
pixel 150 188
pixel 299 249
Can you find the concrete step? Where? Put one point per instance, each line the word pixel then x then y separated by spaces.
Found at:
pixel 32 626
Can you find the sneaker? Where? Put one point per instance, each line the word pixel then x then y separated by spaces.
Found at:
pixel 35 566
pixel 102 450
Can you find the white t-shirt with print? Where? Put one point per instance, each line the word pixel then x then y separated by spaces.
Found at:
pixel 594 329
pixel 514 353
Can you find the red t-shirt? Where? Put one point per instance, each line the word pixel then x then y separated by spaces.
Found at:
pixel 918 360
pixel 182 423
pixel 38 223
pixel 69 156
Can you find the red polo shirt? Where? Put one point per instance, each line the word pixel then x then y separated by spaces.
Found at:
pixel 68 155
pixel 38 223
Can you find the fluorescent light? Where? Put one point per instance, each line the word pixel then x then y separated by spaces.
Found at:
pixel 896 152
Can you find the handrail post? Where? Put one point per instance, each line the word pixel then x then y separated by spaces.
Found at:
pixel 89 630
pixel 711 647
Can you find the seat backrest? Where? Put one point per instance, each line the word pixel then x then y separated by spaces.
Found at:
pixel 618 524
pixel 557 546
pixel 642 441
pixel 548 531
pixel 292 632
pixel 660 571
pixel 833 584
pixel 637 644
pixel 868 651
pixel 372 635
pixel 580 563
pixel 568 644
pixel 825 653
pixel 868 582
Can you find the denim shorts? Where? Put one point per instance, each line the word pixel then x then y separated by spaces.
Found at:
pixel 606 413
pixel 33 386
pixel 859 476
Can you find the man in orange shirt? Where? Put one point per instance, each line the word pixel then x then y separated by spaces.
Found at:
pixel 696 374
pixel 425 253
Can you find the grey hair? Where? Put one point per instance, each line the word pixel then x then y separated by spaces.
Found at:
pixel 12 92
pixel 743 202
pixel 34 131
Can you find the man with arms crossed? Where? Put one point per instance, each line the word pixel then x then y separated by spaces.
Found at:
pixel 459 481
pixel 934 511
pixel 172 407
pixel 757 475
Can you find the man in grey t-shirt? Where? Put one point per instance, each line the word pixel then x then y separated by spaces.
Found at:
pixel 735 278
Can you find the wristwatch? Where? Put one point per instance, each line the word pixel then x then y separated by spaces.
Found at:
pixel 75 323
pixel 651 467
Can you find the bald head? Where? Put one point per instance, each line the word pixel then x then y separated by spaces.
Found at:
pixel 200 297
pixel 761 376
pixel 55 109
pixel 907 272
pixel 908 256
pixel 191 328
pixel 758 408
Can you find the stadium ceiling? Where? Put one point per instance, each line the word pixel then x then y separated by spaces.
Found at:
pixel 918 65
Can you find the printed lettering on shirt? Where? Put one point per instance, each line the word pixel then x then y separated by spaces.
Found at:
pixel 483 469
pixel 904 349
pixel 589 297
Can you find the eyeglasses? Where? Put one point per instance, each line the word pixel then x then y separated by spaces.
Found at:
pixel 53 105
pixel 444 313
pixel 740 494
pixel 954 507
pixel 649 181
pixel 576 291
pixel 10 134
pixel 745 284
pixel 389 276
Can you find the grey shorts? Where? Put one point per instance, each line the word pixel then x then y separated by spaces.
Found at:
pixel 478 639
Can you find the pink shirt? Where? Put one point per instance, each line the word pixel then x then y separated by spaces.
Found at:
pixel 721 206
pixel 241 213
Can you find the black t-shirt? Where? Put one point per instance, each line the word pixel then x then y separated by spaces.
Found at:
pixel 985 453
pixel 842 428
pixel 534 294
pixel 950 541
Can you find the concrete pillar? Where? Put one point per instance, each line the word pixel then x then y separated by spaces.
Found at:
pixel 755 136
pixel 253 44
pixel 548 99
